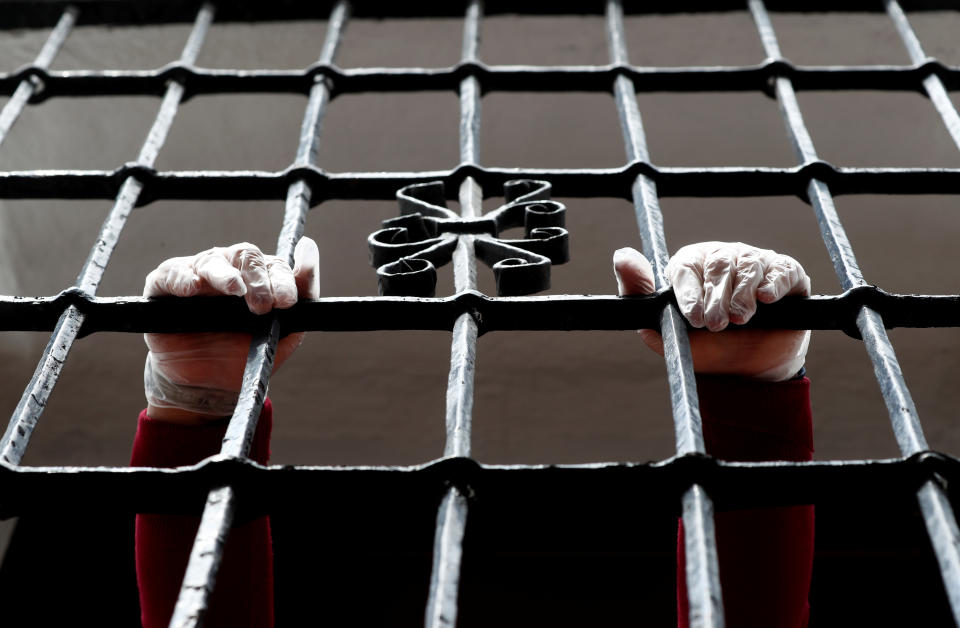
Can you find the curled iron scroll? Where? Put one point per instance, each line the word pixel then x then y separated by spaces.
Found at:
pixel 409 248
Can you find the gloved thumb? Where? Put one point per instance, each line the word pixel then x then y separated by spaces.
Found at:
pixel 306 268
pixel 633 272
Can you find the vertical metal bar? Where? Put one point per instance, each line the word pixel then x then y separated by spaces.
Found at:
pixel 35 397
pixel 936 92
pixel 204 562
pixel 702 568
pixel 25 90
pixel 899 403
pixel 451 524
pixel 940 520
pixel 941 524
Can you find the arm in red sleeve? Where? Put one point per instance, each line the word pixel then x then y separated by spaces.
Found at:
pixel 244 592
pixel 766 554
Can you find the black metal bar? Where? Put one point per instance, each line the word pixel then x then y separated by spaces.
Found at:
pixel 902 411
pixel 30 13
pixel 441 610
pixel 35 396
pixel 940 520
pixel 702 570
pixel 52 490
pixel 708 182
pixel 938 515
pixel 753 78
pixel 554 312
pixel 218 515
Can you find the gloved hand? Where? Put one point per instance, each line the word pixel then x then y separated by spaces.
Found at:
pixel 194 377
pixel 717 283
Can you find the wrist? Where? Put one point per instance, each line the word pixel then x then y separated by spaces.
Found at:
pixel 170 400
pixel 180 416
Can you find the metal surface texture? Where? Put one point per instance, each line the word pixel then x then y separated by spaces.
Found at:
pixel 408 249
pixel 443 596
pixel 703 572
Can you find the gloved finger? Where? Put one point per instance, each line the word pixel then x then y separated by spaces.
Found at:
pixel 719 270
pixel 784 276
pixel 250 261
pixel 306 268
pixel 633 272
pixel 685 269
pixel 751 270
pixel 173 277
pixel 219 274
pixel 281 278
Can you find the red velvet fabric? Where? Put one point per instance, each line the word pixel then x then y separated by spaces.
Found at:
pixel 765 554
pixel 244 593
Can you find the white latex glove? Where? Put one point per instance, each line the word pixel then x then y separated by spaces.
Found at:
pixel 717 283
pixel 193 377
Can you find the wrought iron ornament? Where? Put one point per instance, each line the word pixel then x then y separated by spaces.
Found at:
pixel 410 248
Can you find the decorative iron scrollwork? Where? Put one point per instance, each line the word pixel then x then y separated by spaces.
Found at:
pixel 410 248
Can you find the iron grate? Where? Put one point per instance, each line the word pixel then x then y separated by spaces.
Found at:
pixel 236 484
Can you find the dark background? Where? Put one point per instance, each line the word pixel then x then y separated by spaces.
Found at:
pixel 541 397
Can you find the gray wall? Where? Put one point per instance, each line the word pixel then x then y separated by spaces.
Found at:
pixel 377 398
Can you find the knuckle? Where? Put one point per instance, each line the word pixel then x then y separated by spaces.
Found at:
pixel 277 264
pixel 718 265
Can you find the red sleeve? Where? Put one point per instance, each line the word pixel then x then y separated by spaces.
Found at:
pixel 766 554
pixel 244 592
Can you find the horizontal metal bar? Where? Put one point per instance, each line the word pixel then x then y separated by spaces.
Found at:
pixel 552 312
pixel 492 78
pixel 579 183
pixel 29 490
pixel 30 13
